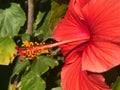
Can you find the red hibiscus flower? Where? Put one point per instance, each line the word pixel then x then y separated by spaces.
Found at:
pixel 99 20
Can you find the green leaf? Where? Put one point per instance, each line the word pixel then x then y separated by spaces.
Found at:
pixel 116 84
pixel 42 64
pixel 46 21
pixel 20 66
pixel 62 1
pixel 58 11
pixel 41 26
pixel 38 19
pixel 11 19
pixel 32 81
pixel 7 49
pixel 25 37
pixel 57 88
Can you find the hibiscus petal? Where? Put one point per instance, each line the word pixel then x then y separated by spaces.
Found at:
pixel 72 26
pixel 102 52
pixel 67 30
pixel 77 6
pixel 100 56
pixel 73 78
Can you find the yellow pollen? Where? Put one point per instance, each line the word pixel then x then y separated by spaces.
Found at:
pixel 31 49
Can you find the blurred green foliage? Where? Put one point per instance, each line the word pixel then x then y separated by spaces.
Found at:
pixel 42 73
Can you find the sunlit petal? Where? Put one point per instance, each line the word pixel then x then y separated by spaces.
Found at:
pixel 103 49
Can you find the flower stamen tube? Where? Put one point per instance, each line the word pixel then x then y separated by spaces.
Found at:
pixel 33 49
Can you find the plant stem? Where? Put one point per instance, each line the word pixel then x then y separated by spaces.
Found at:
pixel 30 16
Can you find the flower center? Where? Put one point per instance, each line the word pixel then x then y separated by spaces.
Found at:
pixel 33 49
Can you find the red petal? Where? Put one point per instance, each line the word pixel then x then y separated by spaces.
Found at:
pixel 71 27
pixel 73 78
pixel 66 30
pixel 77 6
pixel 103 50
pixel 100 56
pixel 101 18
